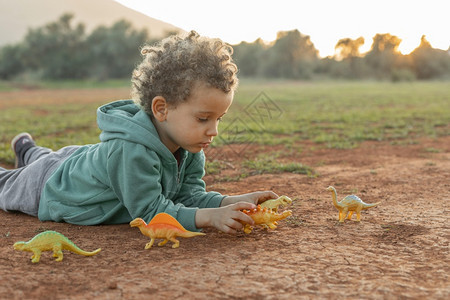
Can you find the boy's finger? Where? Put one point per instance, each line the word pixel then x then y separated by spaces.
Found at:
pixel 227 229
pixel 233 224
pixel 270 195
pixel 242 217
pixel 244 205
pixel 274 195
pixel 249 220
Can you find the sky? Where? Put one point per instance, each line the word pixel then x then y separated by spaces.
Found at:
pixel 325 21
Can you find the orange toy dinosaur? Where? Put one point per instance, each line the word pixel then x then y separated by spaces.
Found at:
pixel 163 226
pixel 265 217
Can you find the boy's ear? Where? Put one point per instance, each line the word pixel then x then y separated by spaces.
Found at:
pixel 159 108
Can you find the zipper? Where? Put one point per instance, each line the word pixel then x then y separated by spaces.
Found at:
pixel 183 160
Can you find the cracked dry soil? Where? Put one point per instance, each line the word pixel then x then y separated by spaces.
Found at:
pixel 400 249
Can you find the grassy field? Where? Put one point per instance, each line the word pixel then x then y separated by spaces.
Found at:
pixel 331 114
pixel 342 114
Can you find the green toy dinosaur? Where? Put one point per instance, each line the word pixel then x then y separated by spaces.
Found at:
pixel 50 240
pixel 274 204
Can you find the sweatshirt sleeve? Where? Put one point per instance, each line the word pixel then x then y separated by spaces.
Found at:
pixel 135 176
pixel 193 189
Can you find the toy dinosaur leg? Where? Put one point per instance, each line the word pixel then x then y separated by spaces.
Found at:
pixel 272 225
pixel 176 243
pixel 163 242
pixel 36 256
pixel 57 252
pixel 342 215
pixel 358 215
pixel 149 244
pixel 349 215
pixel 59 255
pixel 247 228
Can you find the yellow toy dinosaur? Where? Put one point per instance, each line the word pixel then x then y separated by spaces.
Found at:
pixel 50 240
pixel 163 226
pixel 349 205
pixel 274 204
pixel 264 217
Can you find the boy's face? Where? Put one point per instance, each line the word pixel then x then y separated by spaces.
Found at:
pixel 192 124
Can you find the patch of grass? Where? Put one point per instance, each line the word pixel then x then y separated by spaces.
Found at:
pixel 233 178
pixel 268 164
pixel 295 221
pixel 404 142
pixel 52 126
pixel 213 167
pixel 433 150
pixel 6 86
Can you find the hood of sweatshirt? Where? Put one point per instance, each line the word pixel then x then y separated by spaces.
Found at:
pixel 125 120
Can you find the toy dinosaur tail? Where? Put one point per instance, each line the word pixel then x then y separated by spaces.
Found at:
pixel 285 214
pixel 188 234
pixel 75 249
pixel 366 206
pixel 86 253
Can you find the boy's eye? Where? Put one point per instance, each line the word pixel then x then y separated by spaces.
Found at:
pixel 207 119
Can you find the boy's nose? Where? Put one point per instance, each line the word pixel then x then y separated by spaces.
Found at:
pixel 212 131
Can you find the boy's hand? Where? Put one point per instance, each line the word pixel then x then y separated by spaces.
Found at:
pixel 255 198
pixel 226 219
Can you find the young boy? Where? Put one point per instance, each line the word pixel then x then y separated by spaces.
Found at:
pixel 149 159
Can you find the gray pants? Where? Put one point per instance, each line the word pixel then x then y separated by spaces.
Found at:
pixel 20 189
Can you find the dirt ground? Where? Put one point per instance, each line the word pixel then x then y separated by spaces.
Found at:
pixel 399 250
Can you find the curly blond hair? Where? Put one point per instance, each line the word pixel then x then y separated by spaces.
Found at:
pixel 172 67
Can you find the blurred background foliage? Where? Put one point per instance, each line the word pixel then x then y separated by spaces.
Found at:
pixel 62 50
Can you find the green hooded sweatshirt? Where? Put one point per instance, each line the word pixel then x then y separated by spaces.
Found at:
pixel 129 174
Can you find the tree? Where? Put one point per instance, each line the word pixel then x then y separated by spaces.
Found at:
pixel 114 51
pixel 347 50
pixel 11 63
pixel 248 57
pixel 384 56
pixel 57 50
pixel 429 62
pixel 292 56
